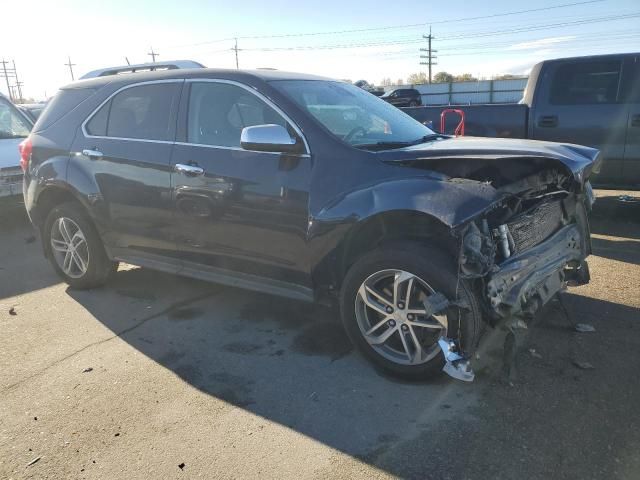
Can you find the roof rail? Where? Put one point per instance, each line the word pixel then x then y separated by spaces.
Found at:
pixel 143 67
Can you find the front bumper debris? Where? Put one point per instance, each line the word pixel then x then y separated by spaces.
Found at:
pixel 527 281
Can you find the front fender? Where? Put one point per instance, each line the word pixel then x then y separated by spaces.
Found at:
pixel 451 201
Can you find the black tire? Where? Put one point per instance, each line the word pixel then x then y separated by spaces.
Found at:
pixel 437 269
pixel 413 103
pixel 99 267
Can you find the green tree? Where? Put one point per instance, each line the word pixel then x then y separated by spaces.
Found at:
pixel 442 77
pixel 417 78
pixel 465 77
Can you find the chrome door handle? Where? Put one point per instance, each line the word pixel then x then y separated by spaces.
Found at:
pixel 93 154
pixel 189 170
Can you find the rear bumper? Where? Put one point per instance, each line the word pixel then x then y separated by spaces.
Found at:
pixel 527 281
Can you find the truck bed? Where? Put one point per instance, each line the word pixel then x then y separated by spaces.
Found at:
pixel 491 120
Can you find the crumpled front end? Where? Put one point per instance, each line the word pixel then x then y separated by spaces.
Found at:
pixel 525 249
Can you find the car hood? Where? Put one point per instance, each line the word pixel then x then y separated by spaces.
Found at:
pixel 9 154
pixel 479 152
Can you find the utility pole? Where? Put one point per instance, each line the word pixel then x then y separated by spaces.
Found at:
pixel 18 82
pixel 429 56
pixel 153 55
pixel 70 65
pixel 236 49
pixel 6 78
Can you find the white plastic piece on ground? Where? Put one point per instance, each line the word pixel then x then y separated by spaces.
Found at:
pixel 455 365
pixel 584 328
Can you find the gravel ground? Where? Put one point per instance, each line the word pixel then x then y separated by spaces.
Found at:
pixel 156 376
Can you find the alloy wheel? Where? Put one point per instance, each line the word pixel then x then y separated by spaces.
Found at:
pixel 69 247
pixel 392 318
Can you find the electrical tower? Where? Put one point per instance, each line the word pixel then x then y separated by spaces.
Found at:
pixel 430 53
pixel 153 55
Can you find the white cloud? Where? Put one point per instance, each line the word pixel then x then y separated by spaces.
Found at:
pixel 543 42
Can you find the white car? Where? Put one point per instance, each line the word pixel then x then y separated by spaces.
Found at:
pixel 14 128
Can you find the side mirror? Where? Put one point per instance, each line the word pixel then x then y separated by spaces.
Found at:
pixel 268 138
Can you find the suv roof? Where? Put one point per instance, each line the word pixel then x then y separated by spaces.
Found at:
pixel 260 74
pixel 145 67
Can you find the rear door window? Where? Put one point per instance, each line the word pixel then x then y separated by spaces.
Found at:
pixel 144 112
pixel 586 83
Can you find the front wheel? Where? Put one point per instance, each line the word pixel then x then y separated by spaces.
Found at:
pixel 74 247
pixel 413 103
pixel 384 314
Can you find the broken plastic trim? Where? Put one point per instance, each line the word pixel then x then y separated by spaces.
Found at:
pixel 456 365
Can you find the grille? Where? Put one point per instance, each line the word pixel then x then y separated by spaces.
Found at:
pixel 536 225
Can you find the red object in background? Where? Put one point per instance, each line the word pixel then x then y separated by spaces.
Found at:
pixel 459 131
pixel 25 148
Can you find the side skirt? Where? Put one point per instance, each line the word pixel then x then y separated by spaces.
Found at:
pixel 217 275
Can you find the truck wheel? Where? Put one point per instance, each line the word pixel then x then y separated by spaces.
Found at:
pixel 74 247
pixel 383 312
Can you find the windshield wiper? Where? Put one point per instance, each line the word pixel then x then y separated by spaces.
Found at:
pixel 384 145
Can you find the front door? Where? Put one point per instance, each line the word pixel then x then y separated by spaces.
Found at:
pixel 238 210
pixel 581 103
pixel 125 150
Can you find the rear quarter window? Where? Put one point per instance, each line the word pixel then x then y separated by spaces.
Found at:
pixel 64 101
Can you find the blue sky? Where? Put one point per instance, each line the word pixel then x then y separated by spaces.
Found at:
pixel 97 34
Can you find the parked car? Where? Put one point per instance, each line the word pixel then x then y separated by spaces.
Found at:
pixel 14 127
pixel 32 110
pixel 311 189
pixel 403 97
pixel 593 101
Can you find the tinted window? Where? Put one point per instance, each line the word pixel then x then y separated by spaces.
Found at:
pixel 98 123
pixel 65 101
pixel 141 112
pixel 219 111
pixel 586 83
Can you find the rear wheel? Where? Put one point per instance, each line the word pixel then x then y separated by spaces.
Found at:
pixel 74 247
pixel 383 310
pixel 413 103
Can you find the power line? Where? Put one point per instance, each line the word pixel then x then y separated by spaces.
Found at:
pixel 388 27
pixel 456 36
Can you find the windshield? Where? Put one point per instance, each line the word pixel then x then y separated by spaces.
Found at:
pixel 12 124
pixel 354 115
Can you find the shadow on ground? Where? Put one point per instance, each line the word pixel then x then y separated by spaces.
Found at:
pixel 21 254
pixel 292 364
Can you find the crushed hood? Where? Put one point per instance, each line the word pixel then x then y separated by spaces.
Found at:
pixel 486 159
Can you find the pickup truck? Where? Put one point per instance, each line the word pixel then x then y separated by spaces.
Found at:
pixel 592 101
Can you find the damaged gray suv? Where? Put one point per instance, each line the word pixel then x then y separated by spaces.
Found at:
pixel 311 189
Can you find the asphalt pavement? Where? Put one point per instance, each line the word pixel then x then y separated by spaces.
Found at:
pixel 158 376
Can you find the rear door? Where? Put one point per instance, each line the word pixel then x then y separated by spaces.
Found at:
pixel 631 166
pixel 580 101
pixel 124 148
pixel 245 211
